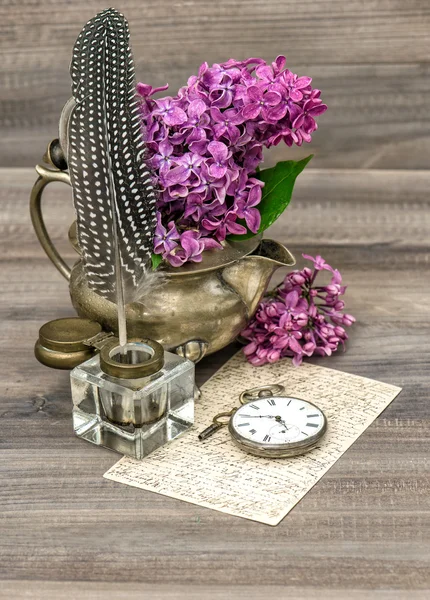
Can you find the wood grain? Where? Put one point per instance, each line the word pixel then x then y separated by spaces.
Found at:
pixel 362 532
pixel 370 58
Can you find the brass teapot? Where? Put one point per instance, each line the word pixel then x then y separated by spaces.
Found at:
pixel 198 310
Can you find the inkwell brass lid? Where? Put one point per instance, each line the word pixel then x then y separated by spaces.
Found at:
pixel 64 343
pixel 67 343
pixel 142 357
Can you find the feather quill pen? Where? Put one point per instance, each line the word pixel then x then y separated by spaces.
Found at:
pixel 114 197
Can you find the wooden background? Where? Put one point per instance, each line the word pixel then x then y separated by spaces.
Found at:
pixel 370 58
pixel 364 530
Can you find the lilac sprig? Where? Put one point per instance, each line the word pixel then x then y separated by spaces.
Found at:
pixel 206 143
pixel 299 318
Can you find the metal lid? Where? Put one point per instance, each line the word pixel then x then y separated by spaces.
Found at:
pixel 142 357
pixel 68 335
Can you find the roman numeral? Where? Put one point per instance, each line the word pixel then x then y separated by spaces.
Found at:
pixel 303 408
pixel 252 431
pixel 267 438
pixel 289 402
pixel 311 424
pixel 310 416
pixel 271 402
pixel 243 424
pixel 254 407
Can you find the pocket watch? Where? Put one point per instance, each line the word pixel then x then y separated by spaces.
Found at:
pixel 271 424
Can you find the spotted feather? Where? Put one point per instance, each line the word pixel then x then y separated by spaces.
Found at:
pixel 112 186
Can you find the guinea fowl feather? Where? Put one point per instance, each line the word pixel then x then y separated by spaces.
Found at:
pixel 114 197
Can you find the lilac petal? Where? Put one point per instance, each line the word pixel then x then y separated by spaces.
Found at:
pixel 296 95
pixel 199 147
pixel 196 109
pixel 217 171
pixel 251 111
pixel 233 133
pixel 264 72
pixel 319 109
pixel 279 63
pixel 297 360
pixel 272 98
pixel 236 228
pixel 176 175
pixel 165 147
pixel 250 348
pixel 302 82
pixel 219 130
pixel 143 89
pixel 253 219
pixel 218 150
pixel 255 94
pixel 295 112
pixel 217 115
pixel 178 137
pixel 276 113
pixel 176 260
pixel 210 244
pixel 233 116
pixel 254 197
pixel 223 100
pixel 175 116
pixel 212 77
pixel 295 346
pixel 190 245
pixel 291 299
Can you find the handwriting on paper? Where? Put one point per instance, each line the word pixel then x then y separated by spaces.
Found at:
pixel 218 475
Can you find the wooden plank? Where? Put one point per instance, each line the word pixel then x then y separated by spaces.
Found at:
pixel 41 590
pixel 362 532
pixel 369 57
pixel 365 127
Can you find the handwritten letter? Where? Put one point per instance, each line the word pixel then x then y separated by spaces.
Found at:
pixel 218 475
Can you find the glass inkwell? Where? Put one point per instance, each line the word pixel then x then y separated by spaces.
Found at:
pixel 131 400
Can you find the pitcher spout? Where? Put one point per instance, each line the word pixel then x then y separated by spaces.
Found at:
pixel 250 276
pixel 275 253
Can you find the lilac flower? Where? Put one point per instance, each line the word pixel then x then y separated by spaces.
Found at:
pixel 190 250
pixel 299 319
pixel 162 160
pixel 319 262
pixel 226 123
pixel 306 120
pixel 172 114
pixel 205 144
pixel 295 85
pixel 221 94
pixel 245 209
pixel 257 101
pixel 221 227
pixel 165 240
pixel 220 154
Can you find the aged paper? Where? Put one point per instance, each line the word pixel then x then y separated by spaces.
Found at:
pixel 218 475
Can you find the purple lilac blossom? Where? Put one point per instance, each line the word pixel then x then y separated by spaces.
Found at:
pixel 205 143
pixel 300 318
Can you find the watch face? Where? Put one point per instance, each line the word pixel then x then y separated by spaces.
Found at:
pixel 278 424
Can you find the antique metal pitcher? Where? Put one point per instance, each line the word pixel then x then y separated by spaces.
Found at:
pixel 201 307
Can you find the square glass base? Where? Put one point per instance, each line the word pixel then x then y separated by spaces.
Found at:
pixel 133 416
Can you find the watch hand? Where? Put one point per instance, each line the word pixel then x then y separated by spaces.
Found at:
pixel 259 416
pixel 282 422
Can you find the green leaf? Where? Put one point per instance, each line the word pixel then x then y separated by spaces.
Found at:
pixel 156 260
pixel 279 183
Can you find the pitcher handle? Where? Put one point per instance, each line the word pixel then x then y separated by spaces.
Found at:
pixel 47 176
